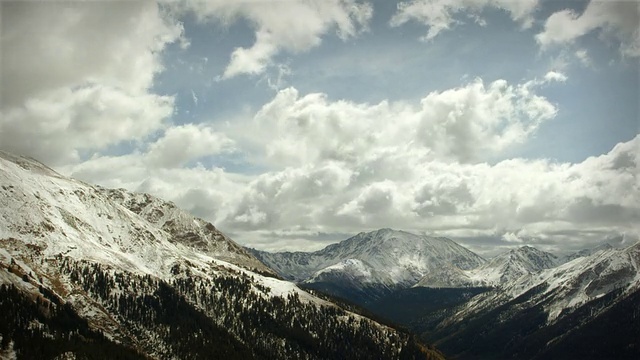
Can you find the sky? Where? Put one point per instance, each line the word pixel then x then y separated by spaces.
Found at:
pixel 293 124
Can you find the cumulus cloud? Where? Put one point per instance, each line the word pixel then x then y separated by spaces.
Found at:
pixel 49 45
pixel 440 15
pixel 466 123
pixel 346 167
pixel 56 126
pixel 617 19
pixel 185 143
pixel 292 26
pixel 354 172
pixel 69 81
pixel 75 82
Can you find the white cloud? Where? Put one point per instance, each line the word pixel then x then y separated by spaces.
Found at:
pixel 76 76
pixel 467 123
pixel 185 143
pixel 292 26
pixel 48 45
pixel 58 124
pixel 555 76
pixel 583 57
pixel 75 82
pixel 354 172
pixel 618 19
pixel 440 15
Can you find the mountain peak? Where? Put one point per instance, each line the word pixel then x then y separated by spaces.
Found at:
pixel 394 257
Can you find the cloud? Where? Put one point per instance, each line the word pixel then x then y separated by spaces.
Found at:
pixel 56 126
pixel 555 76
pixel 185 143
pixel 617 19
pixel 583 57
pixel 71 84
pixel 468 123
pixel 292 26
pixel 440 15
pixel 49 45
pixel 363 166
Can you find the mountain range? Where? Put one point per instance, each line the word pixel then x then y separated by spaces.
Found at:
pixel 464 303
pixel 89 273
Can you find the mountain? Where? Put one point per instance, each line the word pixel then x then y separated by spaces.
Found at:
pixel 88 272
pixel 585 252
pixel 500 270
pixel 136 232
pixel 386 256
pixel 372 264
pixel 524 303
pixel 184 229
pixel 586 308
pixel 541 314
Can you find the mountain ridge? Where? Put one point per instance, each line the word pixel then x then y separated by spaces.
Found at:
pixel 402 256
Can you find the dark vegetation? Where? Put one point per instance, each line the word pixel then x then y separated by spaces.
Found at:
pixel 600 329
pixel 614 333
pixel 43 329
pixel 362 297
pixel 192 317
pixel 421 308
pixel 514 331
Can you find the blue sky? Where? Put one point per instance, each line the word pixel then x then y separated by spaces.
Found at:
pixel 292 124
pixel 597 106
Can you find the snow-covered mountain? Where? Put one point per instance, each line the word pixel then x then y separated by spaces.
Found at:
pixel 136 232
pixel 585 252
pixel 386 257
pixel 557 312
pixel 524 303
pixel 498 271
pixel 86 270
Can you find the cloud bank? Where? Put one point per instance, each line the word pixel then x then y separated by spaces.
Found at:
pixel 343 167
pixel 77 93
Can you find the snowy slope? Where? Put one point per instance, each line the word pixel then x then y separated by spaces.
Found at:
pixel 498 271
pixel 185 229
pixel 585 308
pixel 585 252
pixel 387 257
pixel 512 265
pixel 568 285
pixel 585 278
pixel 136 232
